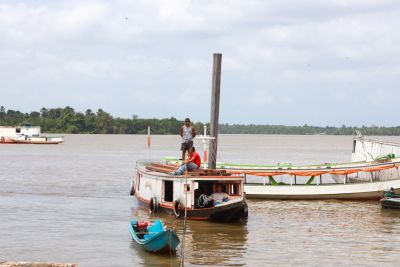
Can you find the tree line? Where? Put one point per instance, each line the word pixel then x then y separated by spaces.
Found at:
pixel 68 120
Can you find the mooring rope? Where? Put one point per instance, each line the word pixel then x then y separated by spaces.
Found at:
pixel 170 249
pixel 182 258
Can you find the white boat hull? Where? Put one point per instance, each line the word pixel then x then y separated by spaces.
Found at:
pixel 358 191
pixel 26 134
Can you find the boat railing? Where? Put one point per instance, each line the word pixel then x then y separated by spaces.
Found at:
pixel 324 178
pixel 363 139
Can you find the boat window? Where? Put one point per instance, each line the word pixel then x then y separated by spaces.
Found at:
pixel 225 187
pixel 138 180
pixel 234 189
pixel 18 130
pixel 187 188
pixel 205 187
pixel 168 191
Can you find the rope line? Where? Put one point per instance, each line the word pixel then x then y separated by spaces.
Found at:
pixel 182 258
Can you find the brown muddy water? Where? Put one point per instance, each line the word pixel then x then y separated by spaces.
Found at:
pixel 71 203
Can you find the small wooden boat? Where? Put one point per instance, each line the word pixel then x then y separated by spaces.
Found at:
pixel 152 236
pixel 37 140
pixel 159 190
pixel 391 200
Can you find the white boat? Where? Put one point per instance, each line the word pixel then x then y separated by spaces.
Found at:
pixel 373 170
pixel 359 191
pixel 26 134
pixel 157 191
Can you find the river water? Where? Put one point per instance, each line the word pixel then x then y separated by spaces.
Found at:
pixel 70 203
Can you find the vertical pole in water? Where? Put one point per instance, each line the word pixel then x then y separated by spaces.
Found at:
pixel 215 92
pixel 205 147
pixel 148 142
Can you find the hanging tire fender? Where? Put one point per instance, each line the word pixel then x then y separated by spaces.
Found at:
pixel 177 208
pixel 153 205
pixel 133 190
pixel 2 139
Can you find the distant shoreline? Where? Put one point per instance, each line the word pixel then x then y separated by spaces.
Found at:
pixel 173 134
pixel 68 121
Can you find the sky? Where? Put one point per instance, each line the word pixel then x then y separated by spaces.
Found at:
pixel 330 62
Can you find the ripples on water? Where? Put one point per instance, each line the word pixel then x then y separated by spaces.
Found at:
pixel 69 203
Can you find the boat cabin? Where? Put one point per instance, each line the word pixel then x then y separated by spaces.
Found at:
pixel 24 130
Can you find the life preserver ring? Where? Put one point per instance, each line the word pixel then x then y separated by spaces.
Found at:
pixel 153 205
pixel 133 190
pixel 177 208
pixel 2 139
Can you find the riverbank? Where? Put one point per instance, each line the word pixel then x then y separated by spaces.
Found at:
pixel 68 120
pixel 34 264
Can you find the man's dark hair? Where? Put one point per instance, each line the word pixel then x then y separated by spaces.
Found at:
pixel 187 120
pixel 193 149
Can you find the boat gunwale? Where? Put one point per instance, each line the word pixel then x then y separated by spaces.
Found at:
pixel 285 169
pixel 363 182
pixel 191 177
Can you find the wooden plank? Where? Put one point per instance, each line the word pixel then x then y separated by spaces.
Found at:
pixel 173 167
pixel 164 168
pixel 158 169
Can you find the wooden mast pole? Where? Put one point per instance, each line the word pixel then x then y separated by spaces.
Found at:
pixel 215 93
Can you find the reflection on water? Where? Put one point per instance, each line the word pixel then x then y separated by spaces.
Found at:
pixel 70 203
pixel 216 244
pixel 332 232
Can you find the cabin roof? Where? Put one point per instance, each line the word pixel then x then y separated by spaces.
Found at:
pixel 164 170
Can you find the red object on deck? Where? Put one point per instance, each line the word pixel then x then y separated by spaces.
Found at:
pixel 142 224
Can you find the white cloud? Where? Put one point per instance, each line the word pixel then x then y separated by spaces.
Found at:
pixel 275 54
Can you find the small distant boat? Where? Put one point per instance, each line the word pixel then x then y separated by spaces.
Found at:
pixel 391 200
pixel 152 236
pixel 37 140
pixel 26 134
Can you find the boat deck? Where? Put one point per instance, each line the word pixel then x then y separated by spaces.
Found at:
pixel 168 168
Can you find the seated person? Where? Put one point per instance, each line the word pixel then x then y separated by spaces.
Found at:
pixel 219 197
pixel 192 163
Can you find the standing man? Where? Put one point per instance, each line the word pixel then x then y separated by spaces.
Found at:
pixel 187 132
